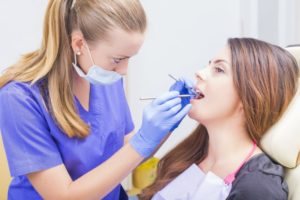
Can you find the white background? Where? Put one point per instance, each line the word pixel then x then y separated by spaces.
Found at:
pixel 182 36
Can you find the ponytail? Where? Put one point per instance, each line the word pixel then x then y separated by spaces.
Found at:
pixel 52 62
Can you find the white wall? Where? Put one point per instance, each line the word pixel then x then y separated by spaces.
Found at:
pixel 249 18
pixel 298 22
pixel 275 21
pixel 21 28
pixel 182 36
pixel 288 22
pixel 268 13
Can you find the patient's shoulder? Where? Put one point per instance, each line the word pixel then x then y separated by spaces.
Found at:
pixel 260 179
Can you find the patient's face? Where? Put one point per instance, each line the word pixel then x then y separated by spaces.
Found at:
pixel 215 82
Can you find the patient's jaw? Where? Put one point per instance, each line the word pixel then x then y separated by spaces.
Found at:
pixel 220 100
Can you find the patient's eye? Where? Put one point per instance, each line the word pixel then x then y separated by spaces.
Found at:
pixel 218 69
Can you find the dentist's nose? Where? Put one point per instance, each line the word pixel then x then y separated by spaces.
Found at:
pixel 122 69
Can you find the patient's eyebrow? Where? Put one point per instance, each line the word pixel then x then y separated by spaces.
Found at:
pixel 221 60
pixel 218 61
pixel 226 65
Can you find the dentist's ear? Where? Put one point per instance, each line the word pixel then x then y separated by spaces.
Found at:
pixel 77 42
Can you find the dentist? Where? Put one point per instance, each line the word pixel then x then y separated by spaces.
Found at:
pixel 64 118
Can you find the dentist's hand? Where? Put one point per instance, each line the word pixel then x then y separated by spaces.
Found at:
pixel 183 86
pixel 158 119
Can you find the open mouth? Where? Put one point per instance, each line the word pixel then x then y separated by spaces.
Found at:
pixel 199 95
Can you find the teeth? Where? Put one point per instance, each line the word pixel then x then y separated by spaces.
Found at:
pixel 199 94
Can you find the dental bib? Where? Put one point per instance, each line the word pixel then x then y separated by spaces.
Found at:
pixel 194 184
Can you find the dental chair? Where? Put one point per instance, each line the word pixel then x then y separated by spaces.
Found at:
pixel 282 141
pixel 4 173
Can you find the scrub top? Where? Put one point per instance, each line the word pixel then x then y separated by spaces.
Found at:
pixel 33 141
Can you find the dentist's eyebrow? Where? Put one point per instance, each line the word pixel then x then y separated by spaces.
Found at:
pixel 122 57
pixel 126 56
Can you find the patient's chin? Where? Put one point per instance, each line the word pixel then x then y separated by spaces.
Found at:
pixel 193 114
pixel 198 116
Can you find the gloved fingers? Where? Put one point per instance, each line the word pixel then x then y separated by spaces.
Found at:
pixel 184 86
pixel 187 82
pixel 170 104
pixel 178 86
pixel 182 113
pixel 188 85
pixel 166 97
pixel 172 111
pixel 185 101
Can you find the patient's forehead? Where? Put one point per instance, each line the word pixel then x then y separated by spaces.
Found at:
pixel 224 54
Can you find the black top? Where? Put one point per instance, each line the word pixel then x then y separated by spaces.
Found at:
pixel 259 179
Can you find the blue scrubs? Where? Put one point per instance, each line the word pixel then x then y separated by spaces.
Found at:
pixel 34 142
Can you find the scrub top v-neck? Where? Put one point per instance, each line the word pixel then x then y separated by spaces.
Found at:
pixel 34 142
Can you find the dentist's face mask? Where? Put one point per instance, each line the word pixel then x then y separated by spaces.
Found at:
pixel 96 74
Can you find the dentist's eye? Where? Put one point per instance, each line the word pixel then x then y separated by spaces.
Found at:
pixel 117 60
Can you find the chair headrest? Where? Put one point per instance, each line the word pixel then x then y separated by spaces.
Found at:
pixel 282 140
pixel 295 51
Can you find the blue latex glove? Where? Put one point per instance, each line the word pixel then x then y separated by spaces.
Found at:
pixel 158 119
pixel 183 86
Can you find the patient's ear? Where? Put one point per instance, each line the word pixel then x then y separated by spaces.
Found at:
pixel 240 108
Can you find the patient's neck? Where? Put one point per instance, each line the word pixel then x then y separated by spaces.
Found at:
pixel 227 138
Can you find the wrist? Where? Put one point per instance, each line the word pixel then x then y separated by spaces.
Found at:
pixel 141 145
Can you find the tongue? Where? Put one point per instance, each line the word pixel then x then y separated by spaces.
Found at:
pixel 199 96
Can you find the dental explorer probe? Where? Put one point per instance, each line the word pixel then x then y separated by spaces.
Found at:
pixel 181 96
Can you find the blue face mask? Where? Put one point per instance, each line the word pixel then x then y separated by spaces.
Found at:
pixel 96 74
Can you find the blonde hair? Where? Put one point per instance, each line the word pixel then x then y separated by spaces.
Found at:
pixel 52 62
pixel 266 79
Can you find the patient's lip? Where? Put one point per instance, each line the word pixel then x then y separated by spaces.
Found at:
pixel 199 93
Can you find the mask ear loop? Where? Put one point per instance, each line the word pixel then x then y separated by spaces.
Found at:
pixel 90 54
pixel 78 53
pixel 75 58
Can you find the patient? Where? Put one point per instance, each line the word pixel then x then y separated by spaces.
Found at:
pixel 244 90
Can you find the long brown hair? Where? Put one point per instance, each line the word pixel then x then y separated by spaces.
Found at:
pixel 52 61
pixel 266 79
